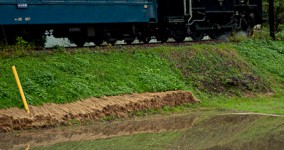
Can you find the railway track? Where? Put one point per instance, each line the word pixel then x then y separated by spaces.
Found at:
pixel 123 45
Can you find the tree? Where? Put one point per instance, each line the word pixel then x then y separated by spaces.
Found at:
pixel 271 19
pixel 279 15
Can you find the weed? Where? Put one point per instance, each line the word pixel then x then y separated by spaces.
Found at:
pixel 20 49
pixel 74 122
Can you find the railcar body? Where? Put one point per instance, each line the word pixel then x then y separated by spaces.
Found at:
pixel 110 20
pixel 79 20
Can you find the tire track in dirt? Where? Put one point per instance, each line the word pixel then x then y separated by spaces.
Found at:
pixel 52 115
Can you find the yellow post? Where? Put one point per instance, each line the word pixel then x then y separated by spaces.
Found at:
pixel 20 89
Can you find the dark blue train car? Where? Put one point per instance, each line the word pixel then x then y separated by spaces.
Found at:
pixel 79 20
pixel 111 20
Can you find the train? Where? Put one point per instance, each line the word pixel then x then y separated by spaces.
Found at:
pixel 101 21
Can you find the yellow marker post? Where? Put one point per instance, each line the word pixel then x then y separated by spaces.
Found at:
pixel 20 89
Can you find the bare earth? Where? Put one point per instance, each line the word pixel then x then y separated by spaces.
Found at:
pixel 97 130
pixel 52 115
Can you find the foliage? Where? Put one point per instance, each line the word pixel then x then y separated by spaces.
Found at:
pixel 211 71
pixel 279 14
pixel 21 48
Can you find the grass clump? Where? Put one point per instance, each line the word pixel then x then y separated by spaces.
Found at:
pixel 217 69
pixel 19 49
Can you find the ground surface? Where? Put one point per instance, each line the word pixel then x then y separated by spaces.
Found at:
pixel 52 115
pixel 193 130
pixel 227 77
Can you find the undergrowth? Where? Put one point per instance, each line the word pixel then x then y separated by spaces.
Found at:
pixel 217 69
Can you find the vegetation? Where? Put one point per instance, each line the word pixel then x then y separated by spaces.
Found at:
pixel 223 76
pixel 243 76
pixel 64 77
pixel 279 17
pixel 217 69
pixel 279 14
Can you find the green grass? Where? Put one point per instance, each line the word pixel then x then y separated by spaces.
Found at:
pixel 65 77
pixel 269 105
pixel 235 76
pixel 217 69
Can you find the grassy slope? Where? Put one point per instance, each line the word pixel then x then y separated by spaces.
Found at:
pixel 267 58
pixel 63 77
pixel 223 76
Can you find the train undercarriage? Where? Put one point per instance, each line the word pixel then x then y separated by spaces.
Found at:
pixel 111 33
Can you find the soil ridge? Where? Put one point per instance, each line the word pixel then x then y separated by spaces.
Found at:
pixel 52 115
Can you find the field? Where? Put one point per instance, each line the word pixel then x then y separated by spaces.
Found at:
pixel 191 131
pixel 246 76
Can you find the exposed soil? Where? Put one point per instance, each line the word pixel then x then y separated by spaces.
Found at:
pixel 52 115
pixel 199 130
pixel 98 130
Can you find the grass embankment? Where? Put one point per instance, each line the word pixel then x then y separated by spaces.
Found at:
pixel 223 76
pixel 267 59
pixel 64 77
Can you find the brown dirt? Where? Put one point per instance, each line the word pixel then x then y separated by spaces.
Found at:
pixel 98 130
pixel 199 130
pixel 52 115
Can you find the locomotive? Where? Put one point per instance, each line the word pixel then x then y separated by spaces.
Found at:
pixel 110 20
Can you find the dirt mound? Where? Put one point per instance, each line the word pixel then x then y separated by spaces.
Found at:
pixel 51 115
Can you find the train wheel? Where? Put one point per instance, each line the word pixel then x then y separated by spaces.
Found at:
pixel 112 41
pixel 179 39
pixel 248 24
pixel 98 42
pixel 163 39
pixel 197 36
pixel 214 36
pixel 129 41
pixel 79 42
pixel 145 40
pixel 37 39
pixel 248 31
